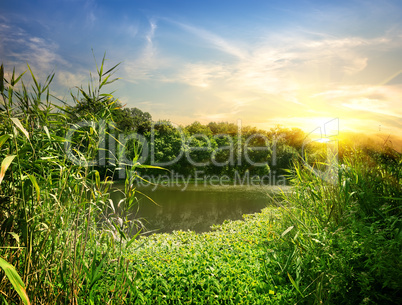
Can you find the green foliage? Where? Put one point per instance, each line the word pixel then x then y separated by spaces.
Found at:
pixel 221 149
pixel 57 227
pixel 15 280
pixel 133 119
pixel 219 267
pixel 216 148
pixel 344 245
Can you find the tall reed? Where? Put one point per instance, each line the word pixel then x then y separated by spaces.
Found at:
pixel 342 243
pixel 56 224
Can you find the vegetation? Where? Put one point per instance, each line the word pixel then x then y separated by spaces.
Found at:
pixel 64 241
pixel 341 243
pixel 58 226
pixel 215 149
pixel 324 244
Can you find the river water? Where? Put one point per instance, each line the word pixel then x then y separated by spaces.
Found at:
pixel 198 207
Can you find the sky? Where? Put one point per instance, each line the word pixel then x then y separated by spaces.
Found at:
pixel 294 63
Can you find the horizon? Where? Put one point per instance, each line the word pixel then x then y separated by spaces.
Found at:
pixel 298 64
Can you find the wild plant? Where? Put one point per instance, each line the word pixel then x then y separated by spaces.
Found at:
pixel 52 216
pixel 340 243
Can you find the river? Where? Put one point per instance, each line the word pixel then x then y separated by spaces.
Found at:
pixel 197 207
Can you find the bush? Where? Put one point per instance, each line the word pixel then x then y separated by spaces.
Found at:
pixel 56 224
pixel 341 244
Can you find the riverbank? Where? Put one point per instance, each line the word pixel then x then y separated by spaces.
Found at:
pixel 224 266
pixel 324 244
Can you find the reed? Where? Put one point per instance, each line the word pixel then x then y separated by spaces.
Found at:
pixel 341 243
pixel 56 226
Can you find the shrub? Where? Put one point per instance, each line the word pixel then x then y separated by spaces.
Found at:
pixel 341 244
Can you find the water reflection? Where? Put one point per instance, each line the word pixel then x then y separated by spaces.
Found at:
pixel 199 207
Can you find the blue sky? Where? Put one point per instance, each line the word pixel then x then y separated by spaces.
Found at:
pixel 294 63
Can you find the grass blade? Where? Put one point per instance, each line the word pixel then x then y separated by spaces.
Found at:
pixel 110 70
pixel 14 81
pixel 35 184
pixel 15 280
pixel 133 238
pixel 34 79
pixel 287 231
pixel 3 139
pixel 295 285
pixel 1 78
pixel 4 165
pixel 19 125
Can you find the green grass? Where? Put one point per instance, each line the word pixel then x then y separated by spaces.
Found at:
pixel 55 213
pixel 344 240
pixel 224 266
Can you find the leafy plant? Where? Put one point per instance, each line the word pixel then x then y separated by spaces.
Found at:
pixel 15 280
pixel 53 226
pixel 340 243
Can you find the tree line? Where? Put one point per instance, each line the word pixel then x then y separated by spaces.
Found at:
pixel 216 148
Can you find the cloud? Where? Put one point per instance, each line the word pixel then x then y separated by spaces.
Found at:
pixel 90 8
pixel 213 39
pixel 381 99
pixel 283 64
pixel 200 74
pixel 282 74
pixel 280 63
pixel 43 53
pixel 142 66
pixel 19 48
pixel 150 35
pixel 370 105
pixel 69 79
pixel 132 30
pixel 364 107
pixel 287 72
pixel 227 110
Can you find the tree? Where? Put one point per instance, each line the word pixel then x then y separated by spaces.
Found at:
pixel 198 128
pixel 133 119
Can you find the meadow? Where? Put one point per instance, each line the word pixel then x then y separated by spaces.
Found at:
pixel 64 241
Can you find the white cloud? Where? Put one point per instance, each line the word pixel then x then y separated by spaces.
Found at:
pixel 42 53
pixel 200 75
pixel 371 105
pixel 279 65
pixel 282 74
pixel 379 104
pixel 69 80
pixel 282 64
pixel 213 39
pixel 90 7
pixel 19 48
pixel 132 30
pixel 143 66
